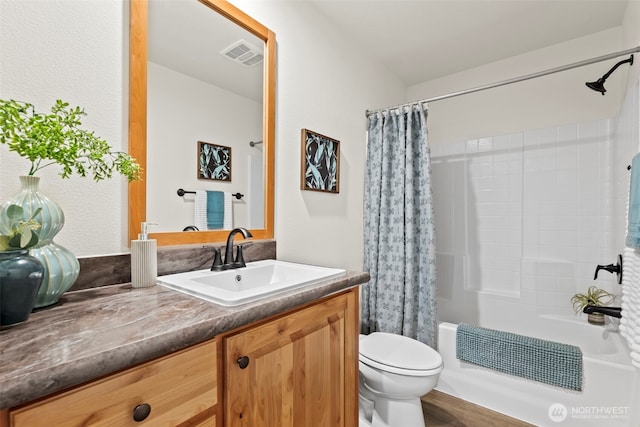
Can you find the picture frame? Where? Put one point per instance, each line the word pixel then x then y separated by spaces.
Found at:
pixel 320 168
pixel 214 161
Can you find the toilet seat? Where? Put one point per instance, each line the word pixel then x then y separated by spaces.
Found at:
pixel 399 355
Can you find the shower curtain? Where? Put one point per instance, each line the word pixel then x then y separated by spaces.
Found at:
pixel 399 233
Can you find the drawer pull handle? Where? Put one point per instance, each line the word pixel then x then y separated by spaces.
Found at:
pixel 141 412
pixel 243 362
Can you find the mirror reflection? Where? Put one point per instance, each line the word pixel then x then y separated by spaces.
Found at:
pixel 204 120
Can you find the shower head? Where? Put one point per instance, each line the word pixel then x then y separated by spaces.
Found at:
pixel 598 85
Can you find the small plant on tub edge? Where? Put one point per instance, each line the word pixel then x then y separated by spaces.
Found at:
pixel 594 296
pixel 22 231
pixel 57 138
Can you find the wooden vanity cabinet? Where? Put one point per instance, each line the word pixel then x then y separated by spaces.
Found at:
pixel 299 370
pixel 180 389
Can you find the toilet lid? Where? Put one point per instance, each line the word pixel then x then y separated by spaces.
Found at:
pixel 398 351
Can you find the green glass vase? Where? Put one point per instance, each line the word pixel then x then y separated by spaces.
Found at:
pixel 60 264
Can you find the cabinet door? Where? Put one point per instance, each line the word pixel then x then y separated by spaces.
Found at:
pixel 296 371
pixel 179 389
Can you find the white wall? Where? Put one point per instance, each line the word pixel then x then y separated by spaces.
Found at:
pixel 181 111
pixel 631 38
pixel 546 101
pixel 523 219
pixel 533 213
pixel 529 178
pixel 77 51
pixel 531 182
pixel 324 85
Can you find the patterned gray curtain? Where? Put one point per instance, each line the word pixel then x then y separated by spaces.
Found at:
pixel 399 233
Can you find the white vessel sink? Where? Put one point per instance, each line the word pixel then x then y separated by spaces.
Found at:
pixel 257 280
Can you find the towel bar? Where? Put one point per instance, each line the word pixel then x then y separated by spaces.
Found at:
pixel 182 192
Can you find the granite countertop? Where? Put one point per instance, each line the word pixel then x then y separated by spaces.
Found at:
pixel 95 332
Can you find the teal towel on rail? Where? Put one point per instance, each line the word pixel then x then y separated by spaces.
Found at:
pixel 527 357
pixel 215 210
pixel 633 220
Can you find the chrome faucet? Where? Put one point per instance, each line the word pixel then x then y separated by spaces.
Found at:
pixel 229 262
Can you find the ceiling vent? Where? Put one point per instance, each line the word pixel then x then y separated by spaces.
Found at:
pixel 243 53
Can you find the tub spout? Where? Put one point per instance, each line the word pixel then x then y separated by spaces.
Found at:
pixel 607 311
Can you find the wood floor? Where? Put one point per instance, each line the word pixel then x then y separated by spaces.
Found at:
pixel 443 410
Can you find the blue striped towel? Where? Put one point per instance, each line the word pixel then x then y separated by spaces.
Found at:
pixel 545 361
pixel 215 210
pixel 633 220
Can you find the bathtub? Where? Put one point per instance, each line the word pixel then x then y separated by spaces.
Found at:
pixel 607 396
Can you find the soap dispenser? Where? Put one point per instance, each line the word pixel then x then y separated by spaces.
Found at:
pixel 144 259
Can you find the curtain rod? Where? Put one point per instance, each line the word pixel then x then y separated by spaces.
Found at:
pixel 517 79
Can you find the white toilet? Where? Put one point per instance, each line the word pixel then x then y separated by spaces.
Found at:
pixel 395 371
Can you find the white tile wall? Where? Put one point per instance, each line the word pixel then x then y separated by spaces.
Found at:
pixel 528 216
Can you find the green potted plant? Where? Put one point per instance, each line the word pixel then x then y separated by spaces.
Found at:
pixel 593 296
pixel 20 274
pixel 57 138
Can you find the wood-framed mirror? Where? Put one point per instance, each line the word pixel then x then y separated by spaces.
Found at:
pixel 139 147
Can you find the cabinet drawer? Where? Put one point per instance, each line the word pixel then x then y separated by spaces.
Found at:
pixel 176 387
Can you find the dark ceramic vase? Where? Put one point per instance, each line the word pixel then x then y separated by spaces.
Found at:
pixel 20 278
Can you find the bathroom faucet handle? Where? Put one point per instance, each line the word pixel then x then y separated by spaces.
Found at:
pixel 239 261
pixel 611 268
pixel 217 260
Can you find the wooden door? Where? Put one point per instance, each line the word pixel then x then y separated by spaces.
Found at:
pixel 301 370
